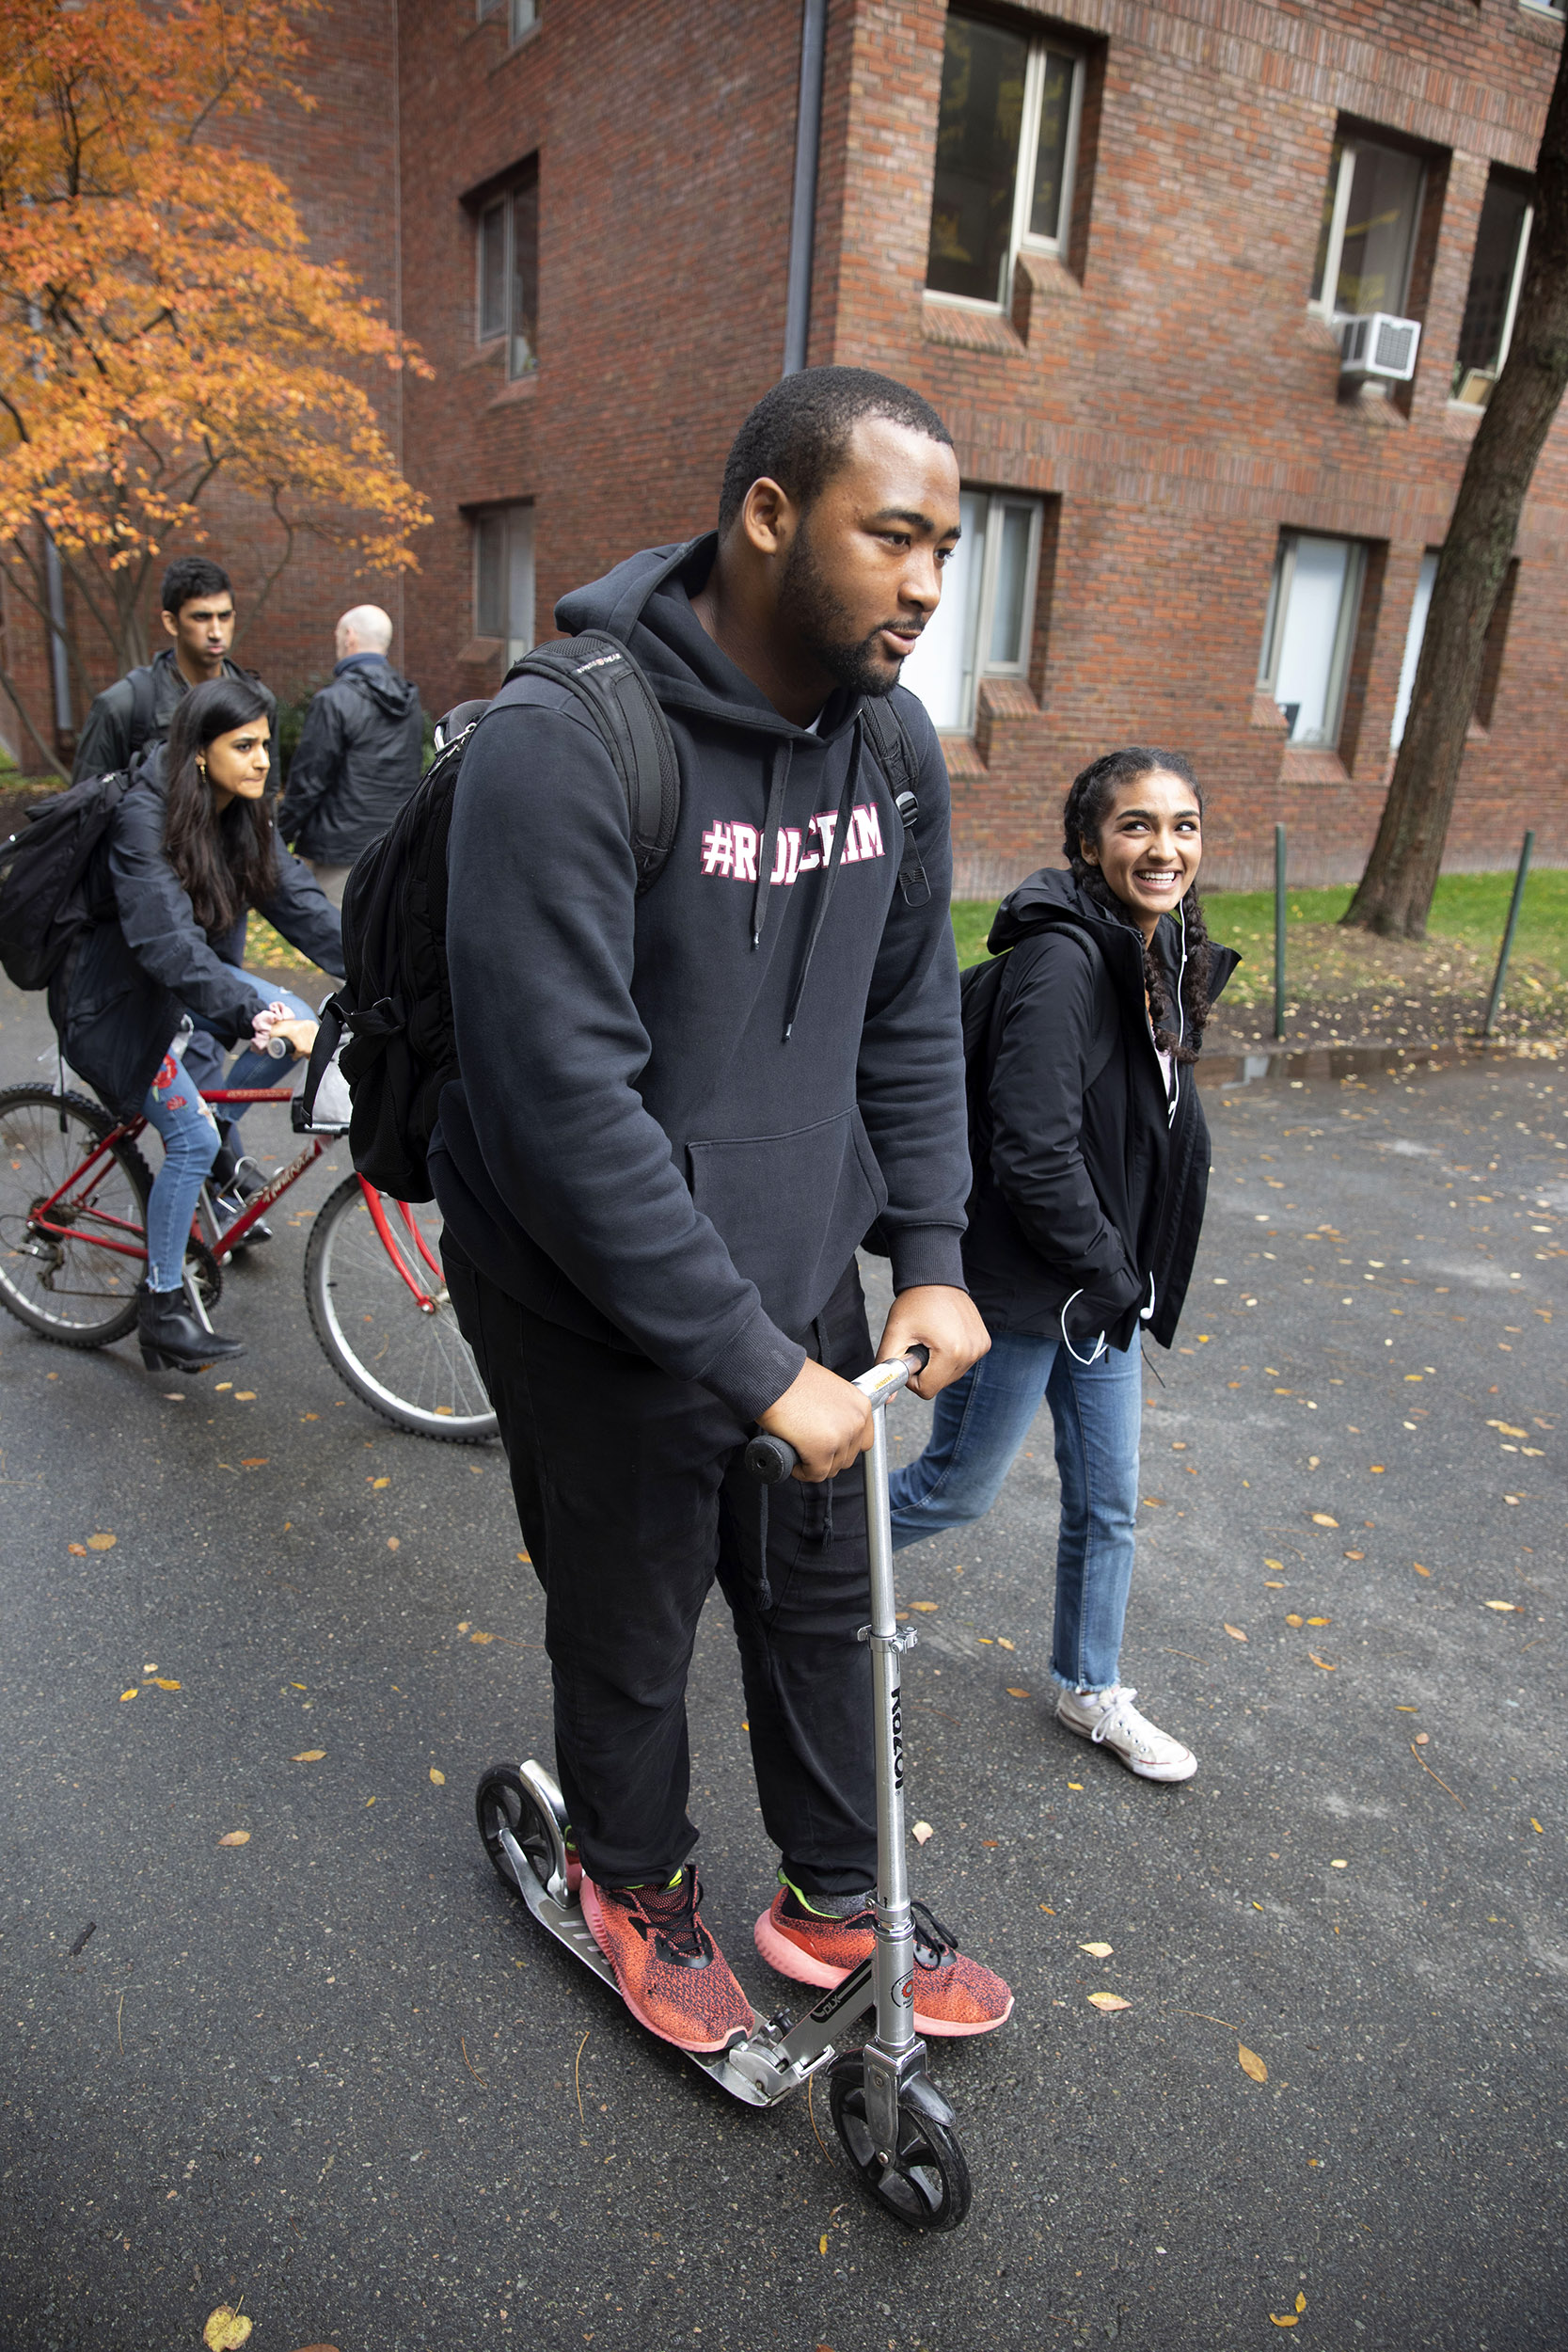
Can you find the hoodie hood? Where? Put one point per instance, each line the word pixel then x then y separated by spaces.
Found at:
pixel 1052 900
pixel 647 603
pixel 394 695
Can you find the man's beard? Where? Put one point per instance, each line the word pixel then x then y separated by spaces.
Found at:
pixel 808 606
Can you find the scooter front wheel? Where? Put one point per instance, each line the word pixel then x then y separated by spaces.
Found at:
pixel 504 1800
pixel 924 2182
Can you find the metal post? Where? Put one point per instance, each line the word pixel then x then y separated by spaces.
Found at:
pixel 803 223
pixel 1279 931
pixel 1494 1001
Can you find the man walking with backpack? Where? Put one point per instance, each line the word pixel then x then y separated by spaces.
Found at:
pixel 199 615
pixel 358 755
pixel 679 1110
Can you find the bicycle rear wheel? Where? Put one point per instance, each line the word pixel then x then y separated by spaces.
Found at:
pixel 56 1276
pixel 408 1361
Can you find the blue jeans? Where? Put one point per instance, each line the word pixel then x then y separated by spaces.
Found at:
pixel 189 1130
pixel 979 1424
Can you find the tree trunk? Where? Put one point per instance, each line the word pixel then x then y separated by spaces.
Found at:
pixel 1395 893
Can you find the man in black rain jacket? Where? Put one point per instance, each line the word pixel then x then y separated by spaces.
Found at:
pixel 358 755
pixel 134 712
pixel 677 1116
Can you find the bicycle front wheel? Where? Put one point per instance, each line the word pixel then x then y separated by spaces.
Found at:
pixel 73 1217
pixel 379 1307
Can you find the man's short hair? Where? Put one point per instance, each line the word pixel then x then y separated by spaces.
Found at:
pixel 373 626
pixel 798 433
pixel 192 576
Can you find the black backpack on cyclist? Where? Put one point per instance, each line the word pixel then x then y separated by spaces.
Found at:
pixel 396 999
pixel 46 876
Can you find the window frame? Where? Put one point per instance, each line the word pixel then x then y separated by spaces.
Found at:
pixel 503 513
pixel 1022 238
pixel 505 200
pixel 1350 145
pixel 1489 375
pixel 1341 653
pixel 976 664
pixel 522 16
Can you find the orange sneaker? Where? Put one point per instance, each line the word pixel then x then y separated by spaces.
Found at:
pixel 952 1995
pixel 673 1976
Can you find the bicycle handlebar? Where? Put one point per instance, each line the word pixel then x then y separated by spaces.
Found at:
pixel 771 1459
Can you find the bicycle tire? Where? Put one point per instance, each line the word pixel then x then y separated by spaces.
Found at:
pixel 40 1140
pixel 352 1288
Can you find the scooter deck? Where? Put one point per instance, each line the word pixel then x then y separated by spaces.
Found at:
pixel 566 1924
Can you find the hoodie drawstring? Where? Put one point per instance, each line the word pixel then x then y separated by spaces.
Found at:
pixel 841 826
pixel 760 896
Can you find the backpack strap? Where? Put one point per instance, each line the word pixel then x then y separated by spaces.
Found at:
pixel 143 708
pixel 603 676
pixel 899 762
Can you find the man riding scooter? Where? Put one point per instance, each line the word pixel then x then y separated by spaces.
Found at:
pixel 678 1115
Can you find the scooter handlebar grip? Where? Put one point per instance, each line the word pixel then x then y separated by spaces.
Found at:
pixel 919 1357
pixel 770 1459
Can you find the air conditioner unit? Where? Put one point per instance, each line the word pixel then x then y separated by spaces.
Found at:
pixel 1379 348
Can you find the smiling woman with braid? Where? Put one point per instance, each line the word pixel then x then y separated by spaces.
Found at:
pixel 1091 1164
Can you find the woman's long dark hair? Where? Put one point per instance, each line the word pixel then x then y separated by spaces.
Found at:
pixel 1083 816
pixel 225 862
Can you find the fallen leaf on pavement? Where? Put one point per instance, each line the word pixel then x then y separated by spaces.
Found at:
pixel 1250 2063
pixel 383 1481
pixel 254 1461
pixel 393 1543
pixel 439 1778
pixel 101 1543
pixel 1508 1429
pixel 164 1683
pixel 822 2243
pixel 1277 1565
pixel 1293 1619
pixel 1419 1570
pixel 1506 1606
pixel 1002 1643
pixel 1016 1695
pixel 226 2331
pixel 1536 1826
pixel 245 1397
pixel 307 1756
pixel 1076 1784
pixel 80 1550
pixel 1108 2001
pixel 1320 1621
pixel 1321 1662
pixel 1235 1632
pixel 482 1637
pixel 921 1832
pixel 1320 1518
pixel 927 1608
pixel 127 1695
pixel 1422 1738
pixel 1289 2321
pixel 1100 1951
pixel 235 1837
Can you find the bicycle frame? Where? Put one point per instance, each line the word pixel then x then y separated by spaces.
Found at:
pixel 224 1240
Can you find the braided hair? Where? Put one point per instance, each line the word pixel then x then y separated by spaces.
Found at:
pixel 1087 807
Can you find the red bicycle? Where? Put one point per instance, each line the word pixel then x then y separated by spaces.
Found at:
pixel 74 1192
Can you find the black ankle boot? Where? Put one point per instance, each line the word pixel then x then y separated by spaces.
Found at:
pixel 172 1339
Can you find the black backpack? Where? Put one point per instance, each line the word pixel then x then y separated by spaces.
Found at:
pixel 46 878
pixel 396 999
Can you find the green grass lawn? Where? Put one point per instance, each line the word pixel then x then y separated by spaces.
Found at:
pixel 1471 908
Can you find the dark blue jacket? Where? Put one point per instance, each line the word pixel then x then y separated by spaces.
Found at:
pixel 119 996
pixel 636 1150
pixel 357 761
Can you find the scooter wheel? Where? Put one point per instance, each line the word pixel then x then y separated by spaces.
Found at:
pixel 504 1800
pixel 924 2182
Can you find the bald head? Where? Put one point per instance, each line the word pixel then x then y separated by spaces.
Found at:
pixel 366 629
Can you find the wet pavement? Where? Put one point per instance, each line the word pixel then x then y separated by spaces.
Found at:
pixel 335 2071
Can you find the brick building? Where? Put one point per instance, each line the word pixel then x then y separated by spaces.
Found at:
pixel 1109 239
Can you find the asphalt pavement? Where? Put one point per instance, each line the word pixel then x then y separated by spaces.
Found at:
pixel 332 2076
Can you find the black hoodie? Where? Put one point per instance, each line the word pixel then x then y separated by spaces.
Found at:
pixel 357 761
pixel 1090 1186
pixel 668 1132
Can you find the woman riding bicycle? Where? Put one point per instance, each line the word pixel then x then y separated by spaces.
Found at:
pixel 192 849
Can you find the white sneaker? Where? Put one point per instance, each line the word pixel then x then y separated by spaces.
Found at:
pixel 1110 1719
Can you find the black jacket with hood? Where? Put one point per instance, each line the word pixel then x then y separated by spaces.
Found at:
pixel 120 994
pixel 679 1114
pixel 1091 1192
pixel 357 761
pixel 110 738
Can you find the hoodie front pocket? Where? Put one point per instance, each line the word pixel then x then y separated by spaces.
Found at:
pixel 791 1209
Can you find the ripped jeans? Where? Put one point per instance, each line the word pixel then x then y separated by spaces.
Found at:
pixel 189 1128
pixel 979 1426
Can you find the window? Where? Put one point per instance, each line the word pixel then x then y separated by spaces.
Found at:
pixel 1497 273
pixel 1412 637
pixel 508 242
pixel 1314 603
pixel 503 577
pixel 1007 141
pixel 1371 207
pixel 521 15
pixel 983 625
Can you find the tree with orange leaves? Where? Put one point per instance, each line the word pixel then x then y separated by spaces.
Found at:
pixel 161 327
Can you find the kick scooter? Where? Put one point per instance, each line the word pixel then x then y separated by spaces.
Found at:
pixel 894 2125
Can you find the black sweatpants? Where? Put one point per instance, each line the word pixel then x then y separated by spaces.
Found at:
pixel 633 1495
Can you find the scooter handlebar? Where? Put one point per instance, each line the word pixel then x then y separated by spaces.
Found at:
pixel 770 1459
